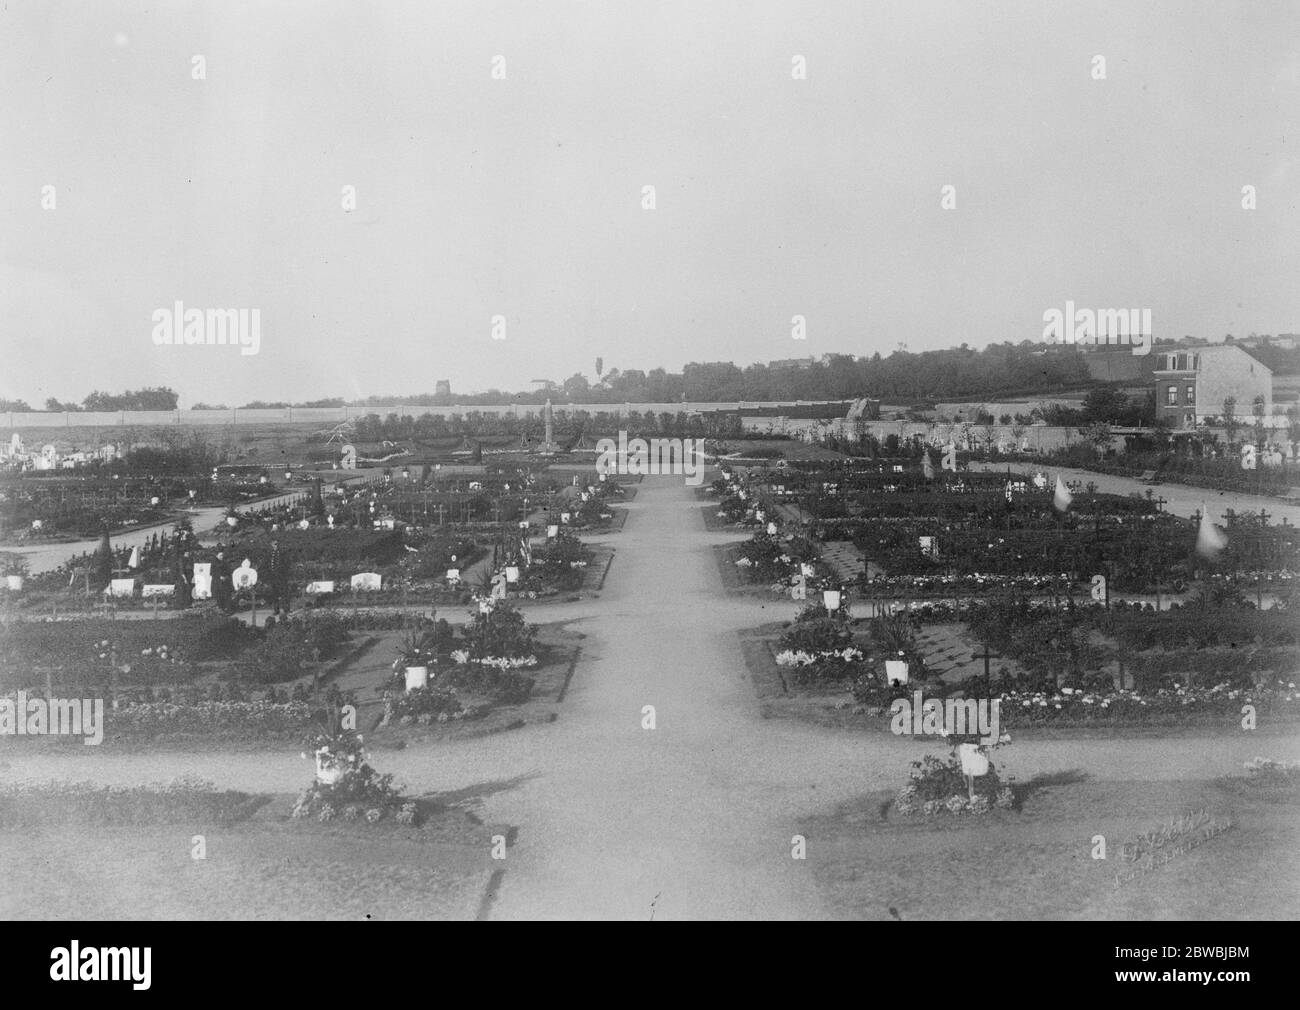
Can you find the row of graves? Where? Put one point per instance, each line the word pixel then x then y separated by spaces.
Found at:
pixel 43 506
pixel 1069 605
pixel 395 539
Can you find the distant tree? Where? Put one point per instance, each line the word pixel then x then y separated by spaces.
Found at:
pixel 1231 423
pixel 1106 404
pixel 104 559
pixel 16 406
pixel 576 387
pixel 1098 435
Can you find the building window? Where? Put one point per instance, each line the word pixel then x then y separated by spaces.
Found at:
pixel 1190 395
pixel 1171 396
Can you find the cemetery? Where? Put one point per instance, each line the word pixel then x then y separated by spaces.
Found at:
pixel 364 624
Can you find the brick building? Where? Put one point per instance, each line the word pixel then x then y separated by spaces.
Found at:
pixel 1192 384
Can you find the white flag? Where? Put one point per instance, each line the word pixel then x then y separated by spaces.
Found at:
pixel 134 560
pixel 1209 541
pixel 1062 498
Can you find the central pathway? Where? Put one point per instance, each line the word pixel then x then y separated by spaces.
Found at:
pixel 629 821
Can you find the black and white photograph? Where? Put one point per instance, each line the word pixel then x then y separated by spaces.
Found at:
pixel 667 461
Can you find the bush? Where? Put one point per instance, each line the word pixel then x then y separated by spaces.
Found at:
pixel 421 701
pixel 502 632
pixel 180 801
pixel 936 785
pixel 360 784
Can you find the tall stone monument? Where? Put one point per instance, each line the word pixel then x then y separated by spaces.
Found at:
pixel 549 446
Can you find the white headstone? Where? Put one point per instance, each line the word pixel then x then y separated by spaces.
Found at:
pixel 159 590
pixel 367 582
pixel 316 588
pixel 453 574
pixel 202 580
pixel 245 576
pixel 121 587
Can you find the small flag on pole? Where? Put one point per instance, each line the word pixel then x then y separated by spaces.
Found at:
pixel 1209 541
pixel 1061 500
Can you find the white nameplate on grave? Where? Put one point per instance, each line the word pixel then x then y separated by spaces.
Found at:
pixel 417 677
pixel 512 573
pixel 896 671
pixel 973 760
pixel 771 529
pixel 202 580
pixel 316 588
pixel 565 517
pixel 367 582
pixel 121 587
pixel 159 590
pixel 453 574
pixel 929 548
pixel 552 530
pixel 303 524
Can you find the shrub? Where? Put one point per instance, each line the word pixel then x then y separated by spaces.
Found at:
pixel 420 701
pixel 183 800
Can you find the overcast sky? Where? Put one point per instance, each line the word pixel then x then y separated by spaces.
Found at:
pixel 523 197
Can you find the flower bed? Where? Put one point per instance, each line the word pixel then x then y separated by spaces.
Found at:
pixel 260 720
pixel 181 801
pixel 347 786
pixel 937 787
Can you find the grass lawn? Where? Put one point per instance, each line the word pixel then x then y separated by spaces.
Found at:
pixel 267 867
pixel 1036 863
